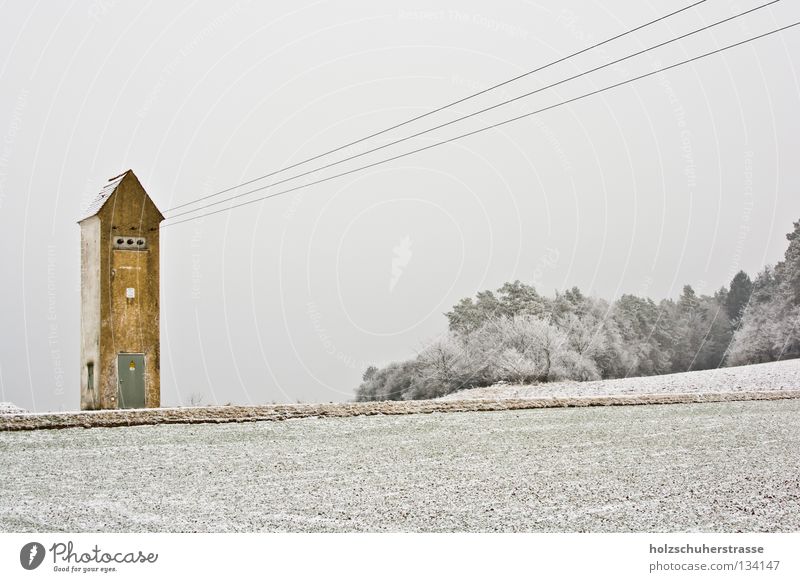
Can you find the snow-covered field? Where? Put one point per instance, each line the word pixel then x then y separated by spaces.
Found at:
pixel 783 375
pixel 725 466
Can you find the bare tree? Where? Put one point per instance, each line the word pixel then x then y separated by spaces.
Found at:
pixel 195 399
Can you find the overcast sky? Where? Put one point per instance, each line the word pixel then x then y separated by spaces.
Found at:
pixel 684 177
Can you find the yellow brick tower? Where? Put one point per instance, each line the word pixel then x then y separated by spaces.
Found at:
pixel 120 298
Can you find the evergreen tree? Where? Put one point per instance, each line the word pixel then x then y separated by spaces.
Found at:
pixel 788 270
pixel 738 296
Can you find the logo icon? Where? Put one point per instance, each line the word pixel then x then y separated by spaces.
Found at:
pixel 31 555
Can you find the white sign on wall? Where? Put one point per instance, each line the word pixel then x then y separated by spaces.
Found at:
pixel 130 293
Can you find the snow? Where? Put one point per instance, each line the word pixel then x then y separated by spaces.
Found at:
pixel 724 466
pixel 10 408
pixel 783 375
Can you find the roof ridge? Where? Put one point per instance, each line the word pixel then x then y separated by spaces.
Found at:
pixel 108 190
pixel 120 175
pixel 105 193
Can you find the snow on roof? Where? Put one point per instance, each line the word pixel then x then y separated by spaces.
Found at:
pixel 105 193
pixel 10 408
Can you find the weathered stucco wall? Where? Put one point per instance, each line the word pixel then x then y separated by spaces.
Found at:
pixel 90 311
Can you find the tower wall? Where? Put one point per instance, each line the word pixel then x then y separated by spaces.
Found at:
pixel 127 293
pixel 90 311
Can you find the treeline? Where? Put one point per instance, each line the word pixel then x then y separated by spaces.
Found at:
pixel 516 335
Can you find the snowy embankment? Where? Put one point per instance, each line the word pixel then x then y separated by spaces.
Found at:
pixel 779 376
pixel 275 412
pixel 10 408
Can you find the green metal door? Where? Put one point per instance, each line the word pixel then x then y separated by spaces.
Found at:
pixel 130 371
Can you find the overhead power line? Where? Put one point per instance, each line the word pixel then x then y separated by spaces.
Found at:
pixel 437 110
pixel 469 115
pixel 488 127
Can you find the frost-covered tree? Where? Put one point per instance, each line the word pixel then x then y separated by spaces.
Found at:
pixel 513 334
pixel 520 299
pixel 468 315
pixel 738 296
pixel 445 366
pixel 688 333
pixel 788 270
pixel 701 330
pixel 758 338
pixel 645 335
pixel 718 332
pixel 525 341
pixel 396 381
pixel 770 324
pixel 511 299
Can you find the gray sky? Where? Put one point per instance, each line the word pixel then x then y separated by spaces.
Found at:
pixel 681 178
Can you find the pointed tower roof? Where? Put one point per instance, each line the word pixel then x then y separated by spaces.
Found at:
pixel 106 192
